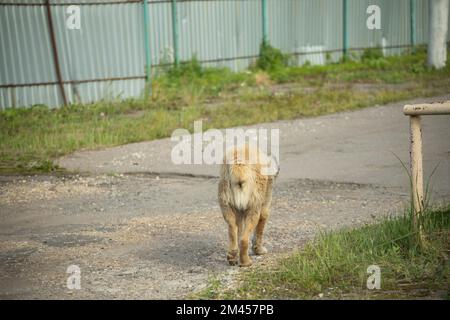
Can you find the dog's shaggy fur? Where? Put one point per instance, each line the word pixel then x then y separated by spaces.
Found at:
pixel 245 194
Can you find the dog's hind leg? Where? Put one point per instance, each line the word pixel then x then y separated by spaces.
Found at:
pixel 258 247
pixel 232 252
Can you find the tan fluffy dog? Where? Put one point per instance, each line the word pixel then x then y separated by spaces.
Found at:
pixel 245 194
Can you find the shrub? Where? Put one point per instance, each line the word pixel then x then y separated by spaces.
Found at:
pixel 372 54
pixel 270 58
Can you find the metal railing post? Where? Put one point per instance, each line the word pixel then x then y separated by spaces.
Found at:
pixel 148 60
pixel 412 12
pixel 55 52
pixel 416 165
pixel 344 28
pixel 264 20
pixel 175 32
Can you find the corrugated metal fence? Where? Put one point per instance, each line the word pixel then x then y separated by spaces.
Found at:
pixel 42 61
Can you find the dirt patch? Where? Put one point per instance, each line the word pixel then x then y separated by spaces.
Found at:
pixel 29 190
pixel 167 239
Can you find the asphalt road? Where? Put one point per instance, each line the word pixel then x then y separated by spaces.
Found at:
pixel 360 146
pixel 140 227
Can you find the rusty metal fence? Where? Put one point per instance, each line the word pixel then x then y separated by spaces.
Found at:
pixel 114 47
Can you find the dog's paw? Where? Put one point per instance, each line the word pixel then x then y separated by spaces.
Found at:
pixel 232 257
pixel 232 262
pixel 247 263
pixel 259 250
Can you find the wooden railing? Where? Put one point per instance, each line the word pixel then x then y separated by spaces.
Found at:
pixel 414 112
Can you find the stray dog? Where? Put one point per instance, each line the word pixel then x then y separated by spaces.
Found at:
pixel 245 194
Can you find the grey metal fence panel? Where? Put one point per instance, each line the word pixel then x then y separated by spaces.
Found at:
pixel 25 57
pixel 96 61
pixel 307 26
pixel 161 32
pixel 395 20
pixel 227 33
pixel 108 47
pixel 106 58
pixel 422 21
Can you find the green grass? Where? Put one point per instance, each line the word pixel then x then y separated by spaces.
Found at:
pixel 335 264
pixel 369 69
pixel 30 139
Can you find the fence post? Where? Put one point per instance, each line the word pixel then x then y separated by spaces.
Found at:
pixel 344 28
pixel 412 12
pixel 175 32
pixel 55 52
pixel 416 169
pixel 264 20
pixel 148 60
pixel 414 112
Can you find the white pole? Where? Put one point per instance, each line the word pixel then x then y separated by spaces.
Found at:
pixel 416 171
pixel 438 25
pixel 414 112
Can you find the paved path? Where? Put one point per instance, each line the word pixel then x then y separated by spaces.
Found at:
pixel 359 146
pixel 146 236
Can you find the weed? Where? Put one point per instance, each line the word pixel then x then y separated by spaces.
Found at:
pixel 270 58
